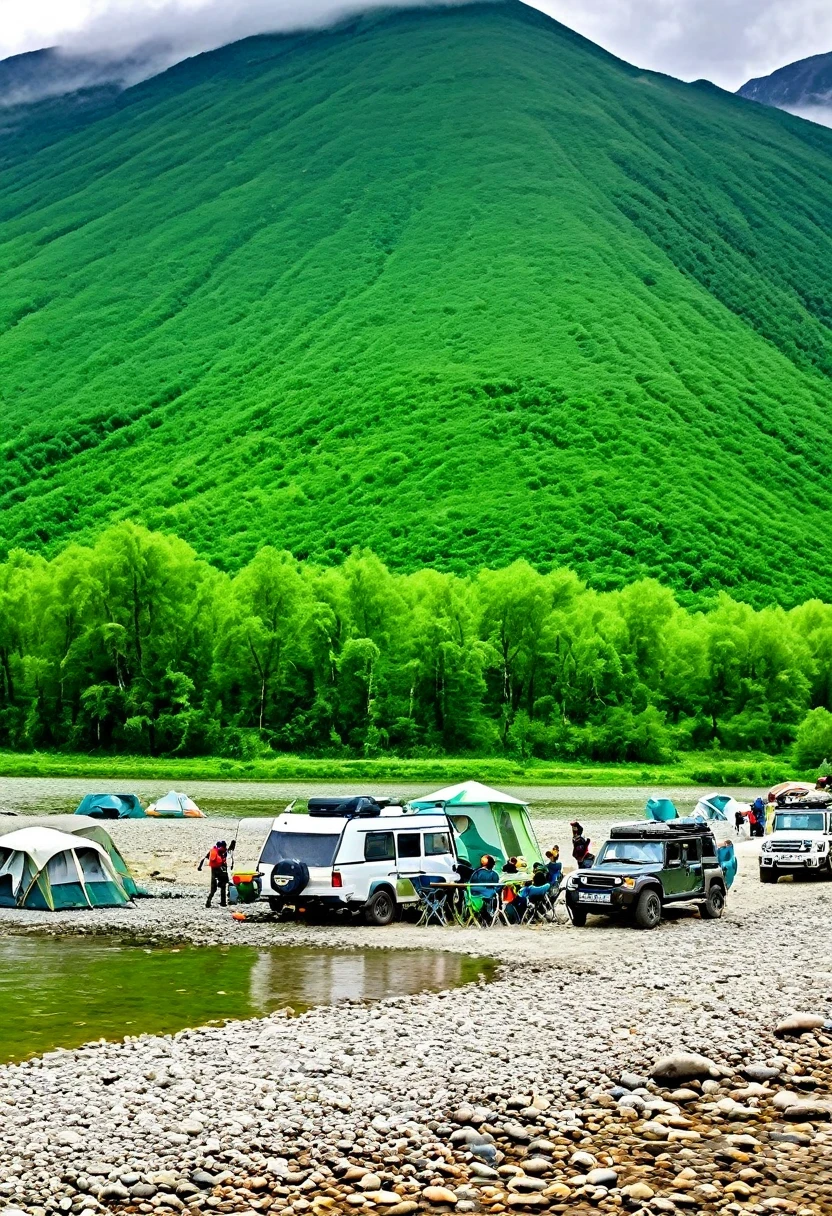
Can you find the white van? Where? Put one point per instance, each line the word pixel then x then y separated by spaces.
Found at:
pixel 355 855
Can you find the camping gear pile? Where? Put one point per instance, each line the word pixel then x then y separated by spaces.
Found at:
pixel 175 806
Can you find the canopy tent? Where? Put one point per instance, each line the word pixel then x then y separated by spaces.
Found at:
pixel 89 829
pixel 111 806
pixel 43 869
pixel 719 807
pixel 174 806
pixel 661 810
pixel 485 821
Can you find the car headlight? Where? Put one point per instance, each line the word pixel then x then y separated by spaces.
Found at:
pixel 629 883
pixel 820 845
pixel 572 881
pixel 767 846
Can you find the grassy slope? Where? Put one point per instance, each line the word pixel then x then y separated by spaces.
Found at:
pixel 695 768
pixel 455 284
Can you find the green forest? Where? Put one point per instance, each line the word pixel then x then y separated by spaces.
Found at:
pixel 137 645
pixel 453 285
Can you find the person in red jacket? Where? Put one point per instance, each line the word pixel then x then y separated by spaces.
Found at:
pixel 217 859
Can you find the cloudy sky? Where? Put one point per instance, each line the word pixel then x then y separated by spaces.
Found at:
pixel 726 41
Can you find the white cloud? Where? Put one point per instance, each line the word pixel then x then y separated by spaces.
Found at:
pixel 726 41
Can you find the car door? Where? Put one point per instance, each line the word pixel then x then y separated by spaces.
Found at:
pixel 379 860
pixel 673 875
pixel 693 879
pixel 409 854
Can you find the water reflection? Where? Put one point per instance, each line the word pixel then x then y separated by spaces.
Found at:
pixel 67 991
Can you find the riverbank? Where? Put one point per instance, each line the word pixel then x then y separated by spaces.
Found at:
pixel 376 1108
pixel 690 768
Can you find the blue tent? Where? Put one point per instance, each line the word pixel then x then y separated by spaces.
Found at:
pixel 111 806
pixel 661 810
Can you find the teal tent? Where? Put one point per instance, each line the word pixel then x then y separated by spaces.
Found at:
pixel 662 810
pixel 485 821
pixel 111 806
pixel 51 871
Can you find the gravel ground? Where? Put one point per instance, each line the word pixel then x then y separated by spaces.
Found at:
pixel 535 1091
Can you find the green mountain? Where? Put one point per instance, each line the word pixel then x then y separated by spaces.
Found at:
pixel 452 283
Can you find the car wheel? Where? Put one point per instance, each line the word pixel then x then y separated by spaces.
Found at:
pixel 578 917
pixel 380 908
pixel 648 910
pixel 769 874
pixel 714 905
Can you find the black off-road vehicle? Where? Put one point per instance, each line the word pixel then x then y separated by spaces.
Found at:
pixel 645 866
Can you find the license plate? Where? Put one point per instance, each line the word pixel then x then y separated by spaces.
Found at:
pixel 595 898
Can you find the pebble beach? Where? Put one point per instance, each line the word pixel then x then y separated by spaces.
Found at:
pixel 603 1070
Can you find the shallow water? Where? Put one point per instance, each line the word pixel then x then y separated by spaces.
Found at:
pixel 62 992
pixel 241 799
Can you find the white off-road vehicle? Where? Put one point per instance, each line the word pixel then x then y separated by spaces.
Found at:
pixel 800 843
pixel 356 855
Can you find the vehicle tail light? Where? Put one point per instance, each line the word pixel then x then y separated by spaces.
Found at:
pixel 336 879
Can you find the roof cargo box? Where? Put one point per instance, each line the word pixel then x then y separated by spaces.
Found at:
pixel 348 806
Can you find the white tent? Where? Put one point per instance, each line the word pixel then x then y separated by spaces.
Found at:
pixel 175 806
pixel 45 869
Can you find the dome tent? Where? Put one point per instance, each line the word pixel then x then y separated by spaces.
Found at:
pixel 174 806
pixel 485 821
pixel 89 829
pixel 48 870
pixel 111 806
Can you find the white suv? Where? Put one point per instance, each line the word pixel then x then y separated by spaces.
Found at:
pixel 355 855
pixel 799 843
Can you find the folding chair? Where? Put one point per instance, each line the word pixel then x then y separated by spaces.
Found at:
pixel 482 906
pixel 538 905
pixel 433 900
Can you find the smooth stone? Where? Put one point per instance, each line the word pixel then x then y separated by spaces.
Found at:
pixel 760 1072
pixel 482 1171
pixel 439 1194
pixel 585 1159
pixel 370 1182
pixel 142 1190
pixel 808 1112
pixel 537 1165
pixel 639 1191
pixel 523 1183
pixel 797 1023
pixel 683 1065
pixel 602 1177
pixel 655 1131
pixel 113 1191
pixel 631 1080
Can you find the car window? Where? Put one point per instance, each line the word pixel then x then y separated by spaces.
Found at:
pixel 409 844
pixel 797 822
pixel 673 853
pixel 690 851
pixel 378 846
pixel 316 849
pixel 437 844
pixel 637 852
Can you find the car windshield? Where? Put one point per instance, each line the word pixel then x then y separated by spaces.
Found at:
pixel 791 821
pixel 632 852
pixel 316 849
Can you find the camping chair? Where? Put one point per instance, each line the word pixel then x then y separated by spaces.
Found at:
pixel 482 905
pixel 538 906
pixel 433 901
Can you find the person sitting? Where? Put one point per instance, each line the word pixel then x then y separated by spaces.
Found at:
pixel 510 867
pixel 554 866
pixel 486 874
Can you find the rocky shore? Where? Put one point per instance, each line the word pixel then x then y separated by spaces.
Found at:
pixel 549 1089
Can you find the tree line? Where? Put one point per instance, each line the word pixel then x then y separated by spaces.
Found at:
pixel 137 645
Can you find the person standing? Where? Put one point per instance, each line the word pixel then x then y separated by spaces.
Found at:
pixel 580 846
pixel 739 820
pixel 217 859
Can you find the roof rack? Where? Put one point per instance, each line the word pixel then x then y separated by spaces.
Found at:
pixel 646 830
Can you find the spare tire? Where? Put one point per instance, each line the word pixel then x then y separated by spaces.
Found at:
pixel 289 877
